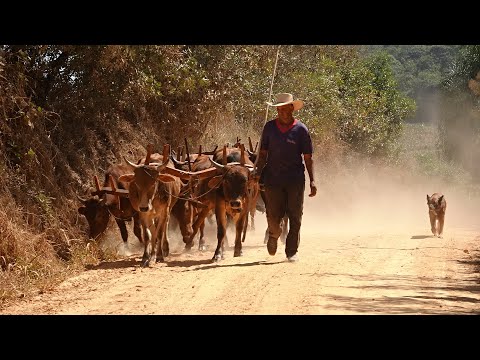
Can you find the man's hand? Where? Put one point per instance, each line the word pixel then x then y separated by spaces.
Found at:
pixel 313 189
pixel 255 175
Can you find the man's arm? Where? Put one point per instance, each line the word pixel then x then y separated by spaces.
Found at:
pixel 309 164
pixel 260 163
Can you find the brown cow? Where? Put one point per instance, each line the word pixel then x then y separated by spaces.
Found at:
pixel 233 196
pixel 201 162
pixel 154 189
pixel 206 194
pixel 152 194
pixel 97 210
pixel 237 155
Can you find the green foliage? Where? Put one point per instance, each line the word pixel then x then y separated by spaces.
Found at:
pixel 355 100
pixel 419 70
pixel 418 67
pixel 459 121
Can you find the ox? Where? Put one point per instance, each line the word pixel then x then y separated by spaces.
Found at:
pixel 237 155
pixel 201 162
pixel 231 195
pixel 152 194
pixel 154 189
pixel 205 193
pixel 97 210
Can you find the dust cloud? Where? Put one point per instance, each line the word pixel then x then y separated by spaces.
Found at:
pixel 367 200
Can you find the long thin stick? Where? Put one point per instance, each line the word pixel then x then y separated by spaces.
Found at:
pixel 269 99
pixel 271 83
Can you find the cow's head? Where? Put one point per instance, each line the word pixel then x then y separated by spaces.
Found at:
pixel 143 183
pixel 96 212
pixel 236 183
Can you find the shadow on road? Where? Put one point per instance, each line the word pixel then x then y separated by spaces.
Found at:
pixel 118 264
pixel 220 264
pixel 425 299
pixel 421 236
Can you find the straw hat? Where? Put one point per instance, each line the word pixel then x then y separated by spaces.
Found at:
pixel 286 98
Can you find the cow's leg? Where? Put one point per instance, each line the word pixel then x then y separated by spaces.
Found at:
pixel 196 225
pixel 123 229
pixel 185 228
pixel 239 226
pixel 162 245
pixel 229 222
pixel 433 224
pixel 136 227
pixel 283 236
pixel 165 243
pixel 156 239
pixel 252 220
pixel 265 238
pixel 441 221
pixel 147 235
pixel 252 203
pixel 221 216
pixel 201 242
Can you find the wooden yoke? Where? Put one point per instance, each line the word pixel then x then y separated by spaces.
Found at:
pixel 179 153
pixel 109 190
pixel 166 151
pixel 250 146
pixel 242 154
pixel 114 189
pixel 149 153
pixel 188 155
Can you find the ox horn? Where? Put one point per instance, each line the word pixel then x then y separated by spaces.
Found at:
pixel 176 162
pixel 250 144
pixel 133 165
pixel 217 165
pixel 82 200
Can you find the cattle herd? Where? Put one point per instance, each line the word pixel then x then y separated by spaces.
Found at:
pixel 187 188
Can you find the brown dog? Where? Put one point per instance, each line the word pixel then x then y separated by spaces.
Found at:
pixel 436 210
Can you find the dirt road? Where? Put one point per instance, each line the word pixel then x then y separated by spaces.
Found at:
pixel 380 259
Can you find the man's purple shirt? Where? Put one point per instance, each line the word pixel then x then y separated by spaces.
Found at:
pixel 284 160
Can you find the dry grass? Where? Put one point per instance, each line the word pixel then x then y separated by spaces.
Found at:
pixel 29 261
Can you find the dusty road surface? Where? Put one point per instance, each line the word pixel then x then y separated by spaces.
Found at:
pixel 372 256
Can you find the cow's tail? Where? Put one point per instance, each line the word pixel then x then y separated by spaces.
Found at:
pixel 245 225
pixel 247 213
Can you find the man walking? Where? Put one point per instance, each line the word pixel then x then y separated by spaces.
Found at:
pixel 283 142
